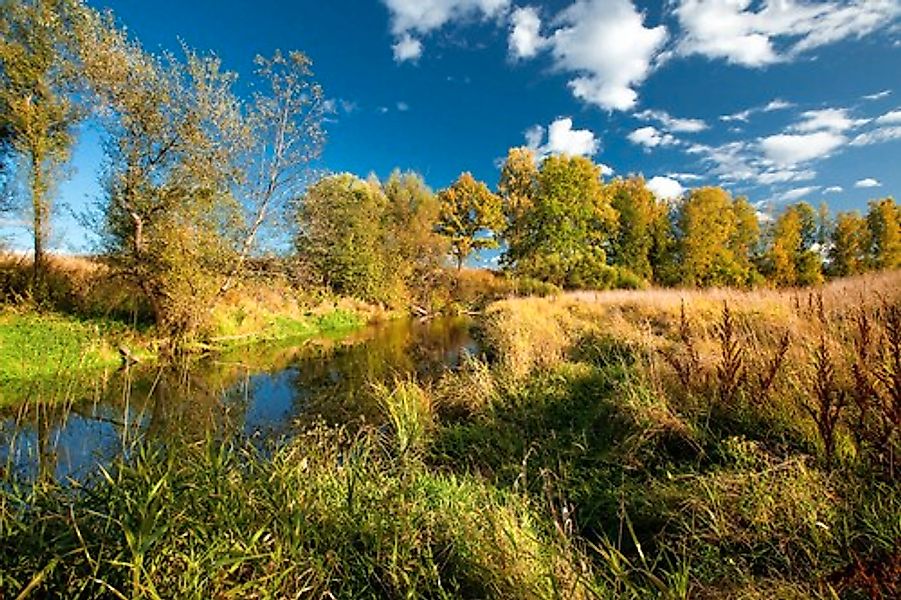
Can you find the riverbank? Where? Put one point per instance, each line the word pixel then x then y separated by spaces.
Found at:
pixel 43 353
pixel 657 444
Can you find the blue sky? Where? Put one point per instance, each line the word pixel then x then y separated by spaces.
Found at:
pixel 781 100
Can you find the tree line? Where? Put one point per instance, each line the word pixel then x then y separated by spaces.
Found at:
pixel 197 174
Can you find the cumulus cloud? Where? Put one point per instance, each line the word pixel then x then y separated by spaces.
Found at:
pixel 562 139
pixel 869 182
pixel 407 48
pixel 890 117
pixel 607 46
pixel 834 189
pixel 829 119
pixel 651 137
pixel 665 188
pixel 672 123
pixel 777 30
pixel 525 33
pixel 412 19
pixel 606 170
pixel 790 150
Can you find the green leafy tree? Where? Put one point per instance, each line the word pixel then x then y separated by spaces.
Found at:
pixel 517 188
pixel 195 172
pixel 37 115
pixel 570 227
pixel 337 236
pixel 884 233
pixel 470 217
pixel 638 212
pixel 847 253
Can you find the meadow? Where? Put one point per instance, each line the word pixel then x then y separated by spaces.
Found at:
pixel 623 444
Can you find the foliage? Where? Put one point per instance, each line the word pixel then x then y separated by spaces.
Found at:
pixel 37 113
pixel 370 240
pixel 569 227
pixel 714 236
pixel 470 215
pixel 517 188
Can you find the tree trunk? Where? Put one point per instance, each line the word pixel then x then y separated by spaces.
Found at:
pixel 37 200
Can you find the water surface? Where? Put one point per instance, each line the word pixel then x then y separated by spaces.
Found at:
pixel 263 392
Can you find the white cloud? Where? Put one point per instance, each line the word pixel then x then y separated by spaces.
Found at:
pixel 882 134
pixel 828 119
pixel 684 176
pixel 890 117
pixel 650 137
pixel 772 176
pixel 607 46
pixel 744 115
pixel 562 139
pixel 834 189
pixel 790 150
pixel 606 170
pixel 403 106
pixel 739 116
pixel 869 182
pixel 407 48
pixel 745 161
pixel 777 104
pixel 665 188
pixel 778 30
pixel 412 19
pixel 672 123
pixel 878 95
pixel 525 33
pixel 797 193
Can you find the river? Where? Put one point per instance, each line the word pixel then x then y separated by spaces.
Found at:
pixel 262 392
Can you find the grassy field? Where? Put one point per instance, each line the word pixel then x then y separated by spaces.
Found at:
pixel 657 444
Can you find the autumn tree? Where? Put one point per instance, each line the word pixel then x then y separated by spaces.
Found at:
pixel 517 188
pixel 884 234
pixel 194 170
pixel 37 115
pixel 793 257
pixel 847 252
pixel 414 250
pixel 715 235
pixel 570 227
pixel 638 213
pixel 470 217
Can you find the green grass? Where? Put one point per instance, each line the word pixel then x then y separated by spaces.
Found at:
pixel 43 349
pixel 332 515
pixel 278 328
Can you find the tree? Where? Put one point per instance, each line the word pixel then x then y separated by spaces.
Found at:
pixel 847 254
pixel 570 227
pixel 884 233
pixel 36 113
pixel 339 236
pixel 517 188
pixel 194 171
pixel 414 250
pixel 470 217
pixel 793 257
pixel 638 211
pixel 715 235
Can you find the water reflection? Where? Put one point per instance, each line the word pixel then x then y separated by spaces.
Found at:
pixel 256 391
